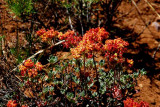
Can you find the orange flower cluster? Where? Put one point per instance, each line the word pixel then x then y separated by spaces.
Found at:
pixel 29 63
pixel 62 36
pixel 130 62
pixel 32 72
pixel 31 68
pixel 12 103
pixel 114 49
pixel 91 41
pixel 39 66
pixel 45 35
pixel 70 38
pixel 130 103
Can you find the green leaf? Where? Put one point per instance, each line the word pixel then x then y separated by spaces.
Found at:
pixel 1 37
pixel 21 84
pixel 135 74
pixel 42 76
pixel 50 74
pixel 75 79
pixel 57 67
pixel 70 95
pixel 13 50
pixel 40 94
pixel 21 7
pixel 82 94
pixel 76 69
pixel 101 62
pixel 62 91
pixel 46 89
pixel 142 72
pixel 20 59
pixel 128 85
pixel 68 76
pixel 53 59
pixel 94 94
pixel 51 88
pixel 90 85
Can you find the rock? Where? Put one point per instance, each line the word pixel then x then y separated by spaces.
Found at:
pixel 156 25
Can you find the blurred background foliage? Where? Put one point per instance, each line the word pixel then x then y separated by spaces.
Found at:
pixel 78 15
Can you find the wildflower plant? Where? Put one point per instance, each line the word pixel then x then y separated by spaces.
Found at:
pixel 70 37
pixel 83 80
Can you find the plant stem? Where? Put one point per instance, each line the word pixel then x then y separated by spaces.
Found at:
pixel 98 84
pixel 17 37
pixel 1 38
pixel 81 21
pixel 95 67
pixel 78 63
pixel 84 59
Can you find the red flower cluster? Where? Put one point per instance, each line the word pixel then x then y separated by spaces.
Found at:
pixel 130 103
pixel 12 103
pixel 70 38
pixel 114 49
pixel 30 67
pixel 45 35
pixel 91 41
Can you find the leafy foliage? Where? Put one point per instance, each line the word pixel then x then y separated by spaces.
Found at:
pixel 21 8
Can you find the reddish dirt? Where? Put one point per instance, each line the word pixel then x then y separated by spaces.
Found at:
pixel 144 42
pixel 143 47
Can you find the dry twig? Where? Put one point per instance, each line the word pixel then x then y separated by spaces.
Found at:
pixel 41 51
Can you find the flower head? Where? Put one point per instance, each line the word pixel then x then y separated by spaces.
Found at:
pixel 38 66
pixel 12 103
pixel 41 32
pixel 130 103
pixel 114 49
pixel 91 41
pixel 32 72
pixel 23 69
pixel 51 33
pixel 29 63
pixel 130 62
pixel 45 35
pixel 71 40
pixel 24 106
pixel 144 104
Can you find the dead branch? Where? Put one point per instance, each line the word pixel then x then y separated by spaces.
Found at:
pixel 152 8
